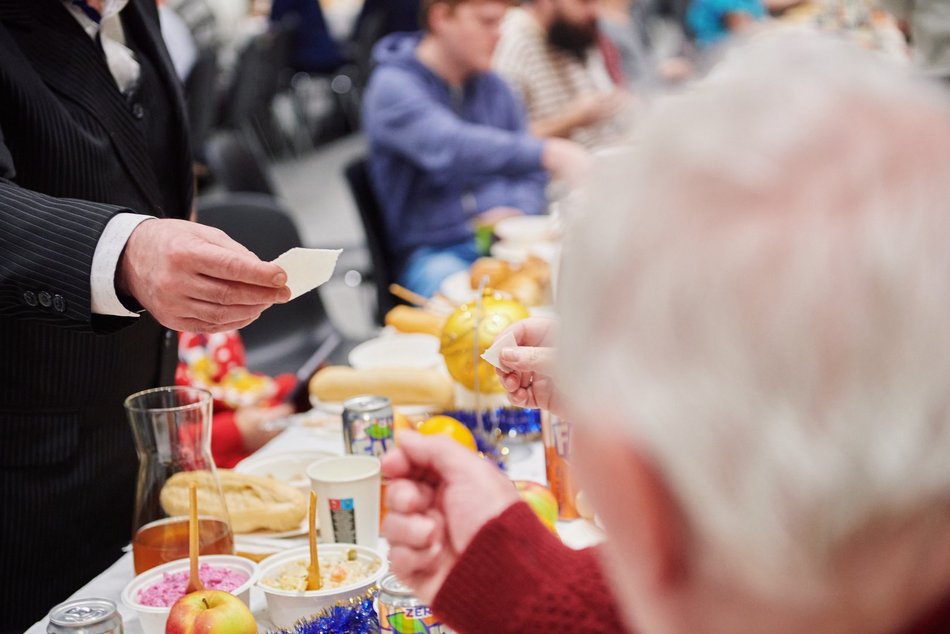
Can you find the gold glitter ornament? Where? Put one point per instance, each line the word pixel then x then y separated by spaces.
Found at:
pixel 497 312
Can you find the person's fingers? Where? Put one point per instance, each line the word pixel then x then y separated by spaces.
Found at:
pixel 520 397
pixel 444 458
pixel 411 564
pixel 407 496
pixel 526 379
pixel 202 327
pixel 234 265
pixel 225 293
pixel 395 463
pixel 218 314
pixel 528 359
pixel 511 381
pixel 415 531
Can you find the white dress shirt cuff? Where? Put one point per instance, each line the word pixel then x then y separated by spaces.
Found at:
pixel 105 301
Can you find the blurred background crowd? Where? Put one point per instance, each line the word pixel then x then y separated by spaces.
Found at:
pixel 366 128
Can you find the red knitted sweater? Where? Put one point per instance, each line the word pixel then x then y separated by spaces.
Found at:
pixel 517 576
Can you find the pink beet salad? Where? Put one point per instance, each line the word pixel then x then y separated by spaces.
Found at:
pixel 172 586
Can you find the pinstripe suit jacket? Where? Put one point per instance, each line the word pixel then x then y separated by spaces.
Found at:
pixel 74 152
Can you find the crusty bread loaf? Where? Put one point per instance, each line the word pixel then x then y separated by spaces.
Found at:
pixel 409 319
pixel 403 386
pixel 254 502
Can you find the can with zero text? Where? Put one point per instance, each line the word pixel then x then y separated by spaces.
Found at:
pixel 368 426
pixel 85 616
pixel 400 612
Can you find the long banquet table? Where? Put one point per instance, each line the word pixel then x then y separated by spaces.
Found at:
pixel 526 462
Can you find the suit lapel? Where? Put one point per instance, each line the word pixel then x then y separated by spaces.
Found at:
pixel 73 65
pixel 149 40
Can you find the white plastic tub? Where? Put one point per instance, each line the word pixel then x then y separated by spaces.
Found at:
pixel 286 606
pixel 153 619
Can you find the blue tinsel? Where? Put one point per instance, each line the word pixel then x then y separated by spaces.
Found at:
pixel 359 618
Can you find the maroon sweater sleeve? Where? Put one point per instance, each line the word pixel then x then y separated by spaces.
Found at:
pixel 516 576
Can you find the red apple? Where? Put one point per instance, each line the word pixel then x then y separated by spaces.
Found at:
pixel 540 499
pixel 210 612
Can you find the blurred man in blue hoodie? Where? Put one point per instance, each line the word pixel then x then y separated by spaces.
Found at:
pixel 449 146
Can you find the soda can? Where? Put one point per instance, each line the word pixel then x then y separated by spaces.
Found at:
pixel 400 612
pixel 85 616
pixel 368 426
pixel 558 451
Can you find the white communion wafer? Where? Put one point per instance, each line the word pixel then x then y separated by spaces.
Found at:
pixel 492 355
pixel 307 268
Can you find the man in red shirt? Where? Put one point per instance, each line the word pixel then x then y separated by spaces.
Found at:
pixel 754 352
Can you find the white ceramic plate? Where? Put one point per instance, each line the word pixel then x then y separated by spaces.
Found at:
pixel 295 532
pixel 394 351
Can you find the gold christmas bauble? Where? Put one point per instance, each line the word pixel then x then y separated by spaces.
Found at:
pixel 496 313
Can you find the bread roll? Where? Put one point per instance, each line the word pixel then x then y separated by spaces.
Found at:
pixel 403 386
pixel 537 269
pixel 524 288
pixel 254 502
pixel 408 319
pixel 496 271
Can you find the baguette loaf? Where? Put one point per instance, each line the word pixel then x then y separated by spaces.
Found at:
pixel 254 502
pixel 403 386
pixel 408 319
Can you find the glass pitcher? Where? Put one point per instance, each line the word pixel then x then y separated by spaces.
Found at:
pixel 172 429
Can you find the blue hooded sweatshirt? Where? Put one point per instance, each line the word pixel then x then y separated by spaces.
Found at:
pixel 440 157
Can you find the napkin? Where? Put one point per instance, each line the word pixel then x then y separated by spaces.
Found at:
pixel 492 355
pixel 307 268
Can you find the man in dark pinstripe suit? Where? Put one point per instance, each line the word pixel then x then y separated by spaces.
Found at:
pixel 95 192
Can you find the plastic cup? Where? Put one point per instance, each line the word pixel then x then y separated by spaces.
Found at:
pixel 348 497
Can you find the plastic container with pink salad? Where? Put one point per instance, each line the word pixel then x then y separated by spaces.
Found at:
pixel 171 587
pixel 152 593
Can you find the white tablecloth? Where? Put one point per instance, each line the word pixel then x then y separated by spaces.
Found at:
pixel 526 462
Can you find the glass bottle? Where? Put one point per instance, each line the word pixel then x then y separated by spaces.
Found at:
pixel 172 430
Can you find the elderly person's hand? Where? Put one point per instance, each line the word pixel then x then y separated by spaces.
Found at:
pixel 439 496
pixel 195 278
pixel 528 379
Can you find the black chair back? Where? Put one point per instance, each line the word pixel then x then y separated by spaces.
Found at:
pixel 237 162
pixel 287 337
pixel 377 235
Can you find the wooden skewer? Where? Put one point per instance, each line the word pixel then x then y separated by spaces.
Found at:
pixel 194 580
pixel 313 570
pixel 405 294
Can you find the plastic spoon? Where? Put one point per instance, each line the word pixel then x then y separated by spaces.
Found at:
pixel 194 581
pixel 313 570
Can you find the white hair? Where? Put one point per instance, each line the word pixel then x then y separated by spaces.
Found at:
pixel 760 292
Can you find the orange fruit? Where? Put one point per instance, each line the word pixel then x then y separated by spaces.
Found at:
pixel 448 426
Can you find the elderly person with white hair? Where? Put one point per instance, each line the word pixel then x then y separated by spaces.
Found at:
pixel 754 347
